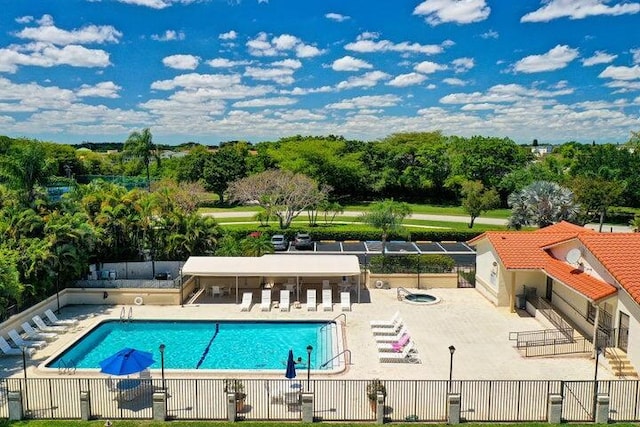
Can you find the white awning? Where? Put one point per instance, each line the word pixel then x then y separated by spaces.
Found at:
pixel 273 265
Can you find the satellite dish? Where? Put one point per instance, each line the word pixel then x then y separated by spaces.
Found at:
pixel 573 256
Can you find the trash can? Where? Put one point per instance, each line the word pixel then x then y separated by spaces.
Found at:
pixel 521 301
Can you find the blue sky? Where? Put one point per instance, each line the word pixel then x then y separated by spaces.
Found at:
pixel 256 70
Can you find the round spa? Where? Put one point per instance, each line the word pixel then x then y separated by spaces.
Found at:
pixel 421 299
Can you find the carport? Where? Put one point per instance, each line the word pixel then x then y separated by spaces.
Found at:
pixel 300 267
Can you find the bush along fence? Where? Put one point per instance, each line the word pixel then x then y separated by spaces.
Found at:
pixel 552 401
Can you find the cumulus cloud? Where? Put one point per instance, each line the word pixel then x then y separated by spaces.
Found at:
pixel 491 34
pixel 409 79
pixel 368 43
pixel 100 90
pixel 373 101
pixel 47 55
pixel 599 57
pixel 504 94
pixel 265 102
pixel 156 4
pixel 621 73
pixel 462 65
pixel 579 9
pixel 262 45
pixel 369 79
pixel 452 81
pixel 349 63
pixel 428 67
pixel 458 11
pixel 47 32
pixel 229 35
pixel 337 17
pixel 225 63
pixel 636 55
pixel 195 81
pixel 280 75
pixel 169 35
pixel 557 58
pixel 181 62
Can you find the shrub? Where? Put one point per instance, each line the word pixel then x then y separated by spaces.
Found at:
pixel 411 264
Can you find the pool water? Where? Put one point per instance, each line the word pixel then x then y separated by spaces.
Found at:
pixel 422 298
pixel 230 345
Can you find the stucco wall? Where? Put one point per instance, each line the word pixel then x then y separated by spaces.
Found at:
pixel 627 305
pixel 573 306
pixel 422 281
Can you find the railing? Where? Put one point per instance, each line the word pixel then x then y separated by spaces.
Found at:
pixel 401 293
pixel 541 337
pixel 66 367
pixel 335 400
pixel 347 362
pixel 550 313
pixel 332 321
pixel 578 345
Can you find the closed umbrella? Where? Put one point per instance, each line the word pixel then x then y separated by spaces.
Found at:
pixel 126 361
pixel 291 366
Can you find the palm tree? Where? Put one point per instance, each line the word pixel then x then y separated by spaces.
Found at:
pixel 387 216
pixel 541 203
pixel 140 145
pixel 256 244
pixel 26 167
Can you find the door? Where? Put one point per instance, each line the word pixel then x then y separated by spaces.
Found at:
pixel 623 331
pixel 549 293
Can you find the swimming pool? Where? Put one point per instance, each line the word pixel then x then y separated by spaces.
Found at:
pixel 218 345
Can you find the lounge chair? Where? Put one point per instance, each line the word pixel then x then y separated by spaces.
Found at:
pixel 388 331
pixel 53 319
pixel 345 301
pixel 38 335
pixel 326 284
pixel 392 338
pixel 327 303
pixel 386 323
pixel 20 342
pixel 284 300
pixel 247 300
pixel 12 351
pixel 311 300
pixel 265 303
pixel 46 328
pixel 408 355
pixel 396 346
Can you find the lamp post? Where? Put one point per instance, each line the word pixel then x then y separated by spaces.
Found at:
pixel 595 383
pixel 309 350
pixel 162 347
pixel 24 369
pixel 58 291
pixel 452 350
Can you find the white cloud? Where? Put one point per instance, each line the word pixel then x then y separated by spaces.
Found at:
pixel 280 75
pixel 100 90
pixel 229 35
pixel 458 11
pixel 195 80
pixel 280 45
pixel 599 57
pixel 504 93
pixel 47 32
pixel 491 34
pixel 462 65
pixel 454 82
pixel 636 55
pixel 308 51
pixel 169 35
pixel 368 43
pixel 557 58
pixel 156 4
pixel 621 73
pixel 181 62
pixel 288 63
pixel 265 102
pixel 337 17
pixel 225 63
pixel 374 101
pixel 369 79
pixel 349 63
pixel 47 55
pixel 428 67
pixel 409 79
pixel 578 9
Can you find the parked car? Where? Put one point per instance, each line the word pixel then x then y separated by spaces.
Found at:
pixel 303 241
pixel 279 242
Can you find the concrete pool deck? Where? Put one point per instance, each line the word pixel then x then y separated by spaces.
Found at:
pixel 462 318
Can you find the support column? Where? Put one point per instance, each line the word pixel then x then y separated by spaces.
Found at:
pixel 231 406
pixel 160 405
pixel 15 405
pixel 453 408
pixel 595 329
pixel 602 409
pixel 307 407
pixel 379 408
pixel 512 294
pixel 554 410
pixel 85 405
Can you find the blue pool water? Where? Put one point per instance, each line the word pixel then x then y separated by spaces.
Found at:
pixel 231 345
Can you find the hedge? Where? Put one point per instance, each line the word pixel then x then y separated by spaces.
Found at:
pixel 411 264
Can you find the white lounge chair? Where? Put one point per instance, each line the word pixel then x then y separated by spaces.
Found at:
pixel 53 319
pixel 388 331
pixel 312 304
pixel 396 346
pixel 392 338
pixel 37 335
pixel 46 328
pixel 12 351
pixel 327 302
pixel 386 323
pixel 265 303
pixel 408 355
pixel 20 342
pixel 247 300
pixel 326 284
pixel 284 300
pixel 345 301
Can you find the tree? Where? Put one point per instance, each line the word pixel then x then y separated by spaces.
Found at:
pixel 476 199
pixel 387 216
pixel 596 195
pixel 10 287
pixel 140 145
pixel 256 244
pixel 224 166
pixel 282 193
pixel 635 223
pixel 542 203
pixel 26 167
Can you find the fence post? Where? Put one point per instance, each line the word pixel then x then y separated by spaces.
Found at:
pixel 307 407
pixel 554 411
pixel 453 408
pixel 15 405
pixel 85 405
pixel 379 408
pixel 602 409
pixel 160 405
pixel 231 406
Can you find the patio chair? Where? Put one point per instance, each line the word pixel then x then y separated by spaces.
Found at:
pixel 20 342
pixel 345 301
pixel 12 351
pixel 327 302
pixel 38 335
pixel 53 319
pixel 265 303
pixel 386 323
pixel 284 300
pixel 311 300
pixel 247 301
pixel 388 331
pixel 46 328
pixel 215 291
pixel 392 338
pixel 396 346
pixel 408 355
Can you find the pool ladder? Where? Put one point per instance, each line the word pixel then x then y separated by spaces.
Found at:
pixel 123 314
pixel 68 368
pixel 402 293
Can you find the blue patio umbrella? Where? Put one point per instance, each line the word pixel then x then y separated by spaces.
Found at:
pixel 126 361
pixel 291 366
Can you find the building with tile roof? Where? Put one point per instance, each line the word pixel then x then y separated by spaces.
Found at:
pixel 591 278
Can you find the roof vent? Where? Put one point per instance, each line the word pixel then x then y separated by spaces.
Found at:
pixel 573 256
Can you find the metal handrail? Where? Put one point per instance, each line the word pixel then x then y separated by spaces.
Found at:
pixel 346 351
pixel 333 320
pixel 130 316
pixel 123 313
pixel 399 293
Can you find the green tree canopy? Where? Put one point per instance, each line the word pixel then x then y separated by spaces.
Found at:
pixel 387 216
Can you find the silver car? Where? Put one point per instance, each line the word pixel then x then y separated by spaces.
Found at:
pixel 279 242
